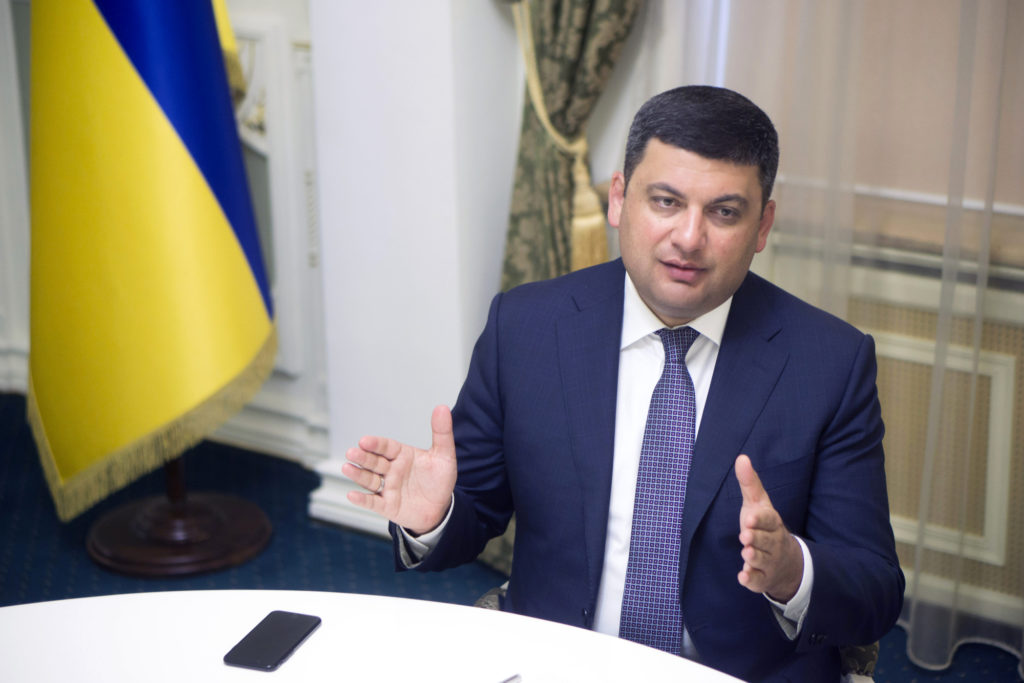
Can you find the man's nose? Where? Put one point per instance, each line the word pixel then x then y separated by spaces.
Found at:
pixel 689 233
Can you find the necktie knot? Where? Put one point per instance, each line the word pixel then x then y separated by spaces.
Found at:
pixel 677 343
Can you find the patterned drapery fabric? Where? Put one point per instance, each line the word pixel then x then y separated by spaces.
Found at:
pixel 576 44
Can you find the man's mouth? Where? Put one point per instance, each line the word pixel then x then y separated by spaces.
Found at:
pixel 683 272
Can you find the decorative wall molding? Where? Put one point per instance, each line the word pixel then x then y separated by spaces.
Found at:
pixel 901 195
pixel 270 424
pixel 289 416
pixel 901 289
pixel 990 546
pixel 270 123
pixel 980 602
pixel 893 276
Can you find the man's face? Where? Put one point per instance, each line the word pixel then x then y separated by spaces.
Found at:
pixel 688 229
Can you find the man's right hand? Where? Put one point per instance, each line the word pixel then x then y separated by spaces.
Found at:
pixel 410 486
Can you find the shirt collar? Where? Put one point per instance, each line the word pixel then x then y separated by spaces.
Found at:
pixel 638 320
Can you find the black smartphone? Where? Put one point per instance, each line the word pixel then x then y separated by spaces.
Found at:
pixel 272 641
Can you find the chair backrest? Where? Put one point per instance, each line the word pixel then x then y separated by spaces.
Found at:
pixel 492 599
pixel 859 660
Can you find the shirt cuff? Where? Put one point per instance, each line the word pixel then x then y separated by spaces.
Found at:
pixel 790 615
pixel 413 549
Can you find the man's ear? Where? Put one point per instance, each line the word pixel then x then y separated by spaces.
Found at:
pixel 616 197
pixel 765 227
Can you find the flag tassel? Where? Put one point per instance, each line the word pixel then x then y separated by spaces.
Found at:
pixel 73 496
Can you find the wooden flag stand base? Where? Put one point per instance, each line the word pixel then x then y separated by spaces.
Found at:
pixel 179 534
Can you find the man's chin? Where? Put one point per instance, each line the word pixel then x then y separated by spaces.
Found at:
pixel 680 312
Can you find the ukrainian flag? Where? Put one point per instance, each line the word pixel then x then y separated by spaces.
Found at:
pixel 151 316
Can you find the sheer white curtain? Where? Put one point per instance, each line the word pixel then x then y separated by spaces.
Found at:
pixel 900 209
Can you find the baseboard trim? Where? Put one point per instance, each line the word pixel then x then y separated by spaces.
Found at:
pixel 329 503
pixel 14 371
pixel 275 432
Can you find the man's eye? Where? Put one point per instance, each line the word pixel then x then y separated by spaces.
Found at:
pixel 664 202
pixel 727 212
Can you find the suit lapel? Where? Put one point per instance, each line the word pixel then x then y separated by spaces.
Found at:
pixel 588 349
pixel 746 371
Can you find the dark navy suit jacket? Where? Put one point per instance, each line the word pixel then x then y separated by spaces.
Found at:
pixel 793 388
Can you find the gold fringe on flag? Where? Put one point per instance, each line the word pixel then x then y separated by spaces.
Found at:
pixel 149 452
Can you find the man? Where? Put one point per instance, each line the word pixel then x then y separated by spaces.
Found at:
pixel 768 509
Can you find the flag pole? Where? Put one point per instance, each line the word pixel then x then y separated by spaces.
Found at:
pixel 179 533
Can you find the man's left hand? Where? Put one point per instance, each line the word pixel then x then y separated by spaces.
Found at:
pixel 772 560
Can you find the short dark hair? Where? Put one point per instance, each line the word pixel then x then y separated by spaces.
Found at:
pixel 715 123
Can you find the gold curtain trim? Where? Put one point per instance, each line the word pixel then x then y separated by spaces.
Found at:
pixel 588 233
pixel 122 467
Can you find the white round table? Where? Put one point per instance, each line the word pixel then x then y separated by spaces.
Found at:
pixel 182 636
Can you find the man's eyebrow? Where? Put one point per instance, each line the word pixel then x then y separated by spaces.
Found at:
pixel 727 198
pixel 665 187
pixel 739 199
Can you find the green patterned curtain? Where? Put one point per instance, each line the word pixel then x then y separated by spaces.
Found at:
pixel 575 43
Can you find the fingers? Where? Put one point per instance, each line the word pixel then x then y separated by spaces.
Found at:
pixel 757 565
pixel 760 525
pixel 761 529
pixel 750 483
pixel 443 440
pixel 368 501
pixel 373 452
pixel 389 449
pixel 758 558
pixel 757 511
pixel 764 548
pixel 752 579
pixel 772 559
pixel 368 479
pixel 410 486
pixel 762 532
pixel 367 460
pixel 777 574
pixel 374 483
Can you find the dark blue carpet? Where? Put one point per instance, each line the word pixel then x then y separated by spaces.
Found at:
pixel 42 559
pixel 973 662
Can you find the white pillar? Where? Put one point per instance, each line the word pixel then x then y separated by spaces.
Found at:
pixel 417 111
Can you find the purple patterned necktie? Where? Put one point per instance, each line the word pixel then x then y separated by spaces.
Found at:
pixel 651 613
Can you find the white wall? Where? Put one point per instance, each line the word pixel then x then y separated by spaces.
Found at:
pixel 417 113
pixel 14 231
